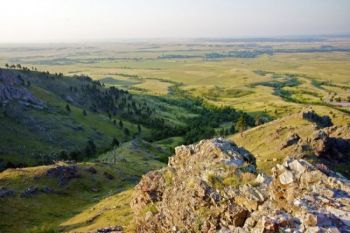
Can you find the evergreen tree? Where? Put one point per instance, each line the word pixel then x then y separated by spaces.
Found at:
pixel 115 142
pixel 120 124
pixel 68 108
pixel 257 120
pixel 139 128
pixel 84 112
pixel 126 132
pixel 90 148
pixel 241 124
pixel 63 155
pixel 232 129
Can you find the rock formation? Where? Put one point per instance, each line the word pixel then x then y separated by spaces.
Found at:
pixel 312 116
pixel 214 186
pixel 12 88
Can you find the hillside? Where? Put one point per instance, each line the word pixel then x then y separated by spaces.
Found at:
pixel 169 191
pixel 88 151
pixel 273 141
pixel 47 117
pixel 60 194
pixel 100 196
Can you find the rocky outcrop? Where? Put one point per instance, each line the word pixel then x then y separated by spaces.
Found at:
pixel 330 145
pixel 12 88
pixel 312 116
pixel 292 139
pixel 64 173
pixel 116 229
pixel 214 186
pixel 326 146
pixel 5 192
pixel 33 190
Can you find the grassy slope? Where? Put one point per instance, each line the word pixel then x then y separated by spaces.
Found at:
pixel 71 206
pixel 112 211
pixel 265 141
pixel 32 132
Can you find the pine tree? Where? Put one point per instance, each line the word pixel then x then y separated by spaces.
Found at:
pixel 126 132
pixel 257 120
pixel 139 128
pixel 90 148
pixel 115 142
pixel 232 129
pixel 241 124
pixel 68 108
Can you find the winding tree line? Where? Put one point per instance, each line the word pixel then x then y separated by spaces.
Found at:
pixel 93 96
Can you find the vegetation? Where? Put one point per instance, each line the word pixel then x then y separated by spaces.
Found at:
pixel 124 113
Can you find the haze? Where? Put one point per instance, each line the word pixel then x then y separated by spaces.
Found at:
pixel 85 20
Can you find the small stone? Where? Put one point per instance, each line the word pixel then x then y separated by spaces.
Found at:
pixel 297 167
pixel 286 177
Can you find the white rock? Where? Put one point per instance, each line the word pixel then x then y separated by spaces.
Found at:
pixel 297 167
pixel 286 177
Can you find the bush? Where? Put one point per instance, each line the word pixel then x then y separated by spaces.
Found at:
pixel 44 229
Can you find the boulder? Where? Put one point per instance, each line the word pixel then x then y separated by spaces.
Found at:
pixel 292 140
pixel 6 192
pixel 115 229
pixel 64 173
pixel 312 116
pixel 108 176
pixel 328 147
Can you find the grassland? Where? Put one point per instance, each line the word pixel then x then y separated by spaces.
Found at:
pixel 77 205
pixel 153 67
pixel 275 85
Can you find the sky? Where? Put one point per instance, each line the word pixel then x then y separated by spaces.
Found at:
pixel 90 20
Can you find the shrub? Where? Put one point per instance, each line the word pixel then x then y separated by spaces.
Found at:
pixel 44 229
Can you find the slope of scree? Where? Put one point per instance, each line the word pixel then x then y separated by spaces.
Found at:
pixel 214 186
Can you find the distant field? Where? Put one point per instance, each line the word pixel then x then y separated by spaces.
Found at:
pixel 240 74
pixel 267 80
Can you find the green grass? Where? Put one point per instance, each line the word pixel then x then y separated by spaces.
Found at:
pixel 24 214
pixel 276 86
pixel 265 141
pixel 75 205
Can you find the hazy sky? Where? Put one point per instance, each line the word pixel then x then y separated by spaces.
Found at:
pixel 84 20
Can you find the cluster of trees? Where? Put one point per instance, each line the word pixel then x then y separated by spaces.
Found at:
pixel 20 67
pixel 239 54
pixel 93 96
pixel 204 126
